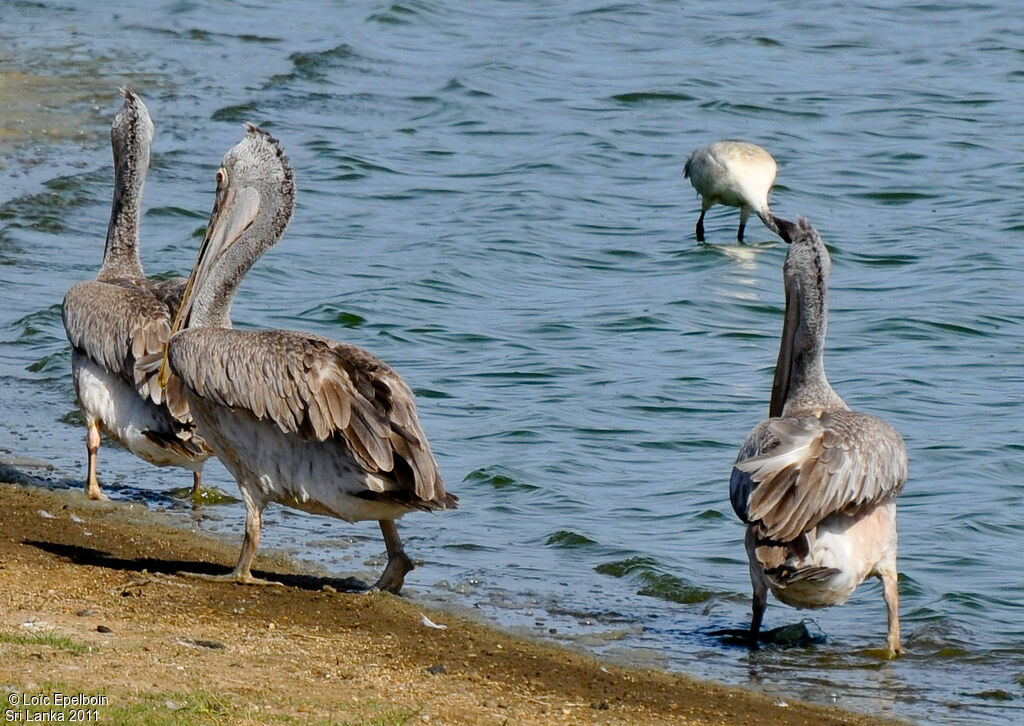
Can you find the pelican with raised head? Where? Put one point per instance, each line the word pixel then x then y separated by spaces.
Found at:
pixel 298 419
pixel 734 174
pixel 121 317
pixel 816 483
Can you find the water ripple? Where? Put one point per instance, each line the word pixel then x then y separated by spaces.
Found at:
pixel 502 216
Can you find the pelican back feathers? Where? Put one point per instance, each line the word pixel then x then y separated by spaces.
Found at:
pixel 321 390
pixel 794 472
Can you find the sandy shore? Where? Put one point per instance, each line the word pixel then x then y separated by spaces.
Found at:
pixel 90 604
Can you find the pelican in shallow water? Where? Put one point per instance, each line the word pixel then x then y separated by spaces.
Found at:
pixel 816 483
pixel 298 419
pixel 735 174
pixel 122 316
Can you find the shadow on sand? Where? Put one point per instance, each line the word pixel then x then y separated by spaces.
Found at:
pixel 97 558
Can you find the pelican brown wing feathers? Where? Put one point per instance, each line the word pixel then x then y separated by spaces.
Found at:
pixel 319 389
pixel 812 466
pixel 117 325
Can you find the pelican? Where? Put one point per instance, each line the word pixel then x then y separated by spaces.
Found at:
pixel 298 419
pixel 116 320
pixel 735 174
pixel 816 483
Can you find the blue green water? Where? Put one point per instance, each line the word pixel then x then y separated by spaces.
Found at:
pixel 491 199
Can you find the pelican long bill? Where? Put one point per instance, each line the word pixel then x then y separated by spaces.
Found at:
pixel 233 212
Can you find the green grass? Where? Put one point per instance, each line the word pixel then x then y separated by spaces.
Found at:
pixel 51 639
pixel 368 713
pixel 383 714
pixel 200 706
pixel 173 708
pixel 205 708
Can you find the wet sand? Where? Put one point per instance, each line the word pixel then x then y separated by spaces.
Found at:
pixel 90 602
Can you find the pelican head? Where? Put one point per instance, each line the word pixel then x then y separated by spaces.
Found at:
pixel 253 207
pixel 131 135
pixel 800 370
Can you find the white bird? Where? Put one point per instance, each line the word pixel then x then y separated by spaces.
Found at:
pixel 120 317
pixel 735 174
pixel 298 419
pixel 816 483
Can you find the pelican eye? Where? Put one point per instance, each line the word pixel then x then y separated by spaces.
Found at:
pixel 222 178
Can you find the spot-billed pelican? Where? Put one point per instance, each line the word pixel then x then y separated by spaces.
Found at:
pixel 298 419
pixel 816 482
pixel 735 174
pixel 120 317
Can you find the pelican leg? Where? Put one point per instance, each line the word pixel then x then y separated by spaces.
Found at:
pixel 242 574
pixel 744 216
pixel 92 445
pixel 760 603
pixel 253 526
pixel 759 585
pixel 399 564
pixel 887 573
pixel 197 483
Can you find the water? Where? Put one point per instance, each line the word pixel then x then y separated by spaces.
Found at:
pixel 491 199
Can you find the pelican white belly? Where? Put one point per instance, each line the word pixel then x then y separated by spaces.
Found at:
pixel 855 546
pixel 107 398
pixel 319 477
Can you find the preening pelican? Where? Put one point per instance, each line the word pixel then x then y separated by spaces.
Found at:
pixel 735 174
pixel 816 483
pixel 120 317
pixel 297 419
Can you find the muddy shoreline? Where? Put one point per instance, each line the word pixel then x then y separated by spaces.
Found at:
pixel 91 603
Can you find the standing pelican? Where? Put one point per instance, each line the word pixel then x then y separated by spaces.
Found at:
pixel 733 173
pixel 114 321
pixel 816 482
pixel 297 419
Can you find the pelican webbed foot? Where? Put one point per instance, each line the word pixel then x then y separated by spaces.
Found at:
pixel 94 492
pixel 399 565
pixel 235 578
pixel 393 577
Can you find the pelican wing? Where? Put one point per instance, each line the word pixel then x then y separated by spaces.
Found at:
pixel 169 291
pixel 316 388
pixel 116 325
pixel 794 472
